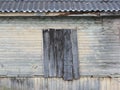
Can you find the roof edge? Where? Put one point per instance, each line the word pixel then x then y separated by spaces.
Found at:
pixel 61 0
pixel 24 14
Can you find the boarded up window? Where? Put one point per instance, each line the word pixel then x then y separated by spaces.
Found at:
pixel 61 54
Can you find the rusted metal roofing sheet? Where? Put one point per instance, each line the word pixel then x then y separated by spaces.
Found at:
pixel 59 6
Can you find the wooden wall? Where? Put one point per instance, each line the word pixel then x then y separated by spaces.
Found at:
pixel 20 49
pixel 99 47
pixel 21 44
pixel 84 83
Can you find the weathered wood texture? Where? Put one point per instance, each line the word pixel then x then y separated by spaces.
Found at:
pixel 20 49
pixel 68 56
pixel 58 53
pixel 99 47
pixel 46 40
pixel 21 44
pixel 84 83
pixel 75 52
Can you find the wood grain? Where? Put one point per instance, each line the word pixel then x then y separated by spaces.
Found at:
pixel 60 53
pixel 52 63
pixel 75 53
pixel 46 52
pixel 41 83
pixel 68 60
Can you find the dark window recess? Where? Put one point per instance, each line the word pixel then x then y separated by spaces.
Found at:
pixel 61 53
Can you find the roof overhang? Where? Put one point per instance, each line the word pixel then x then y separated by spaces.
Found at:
pixel 41 6
pixel 38 14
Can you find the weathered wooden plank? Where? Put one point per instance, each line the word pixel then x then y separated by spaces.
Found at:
pixel 55 52
pixel 68 74
pixel 75 54
pixel 40 83
pixel 59 44
pixel 46 42
pixel 45 84
pixel 59 57
pixel 52 63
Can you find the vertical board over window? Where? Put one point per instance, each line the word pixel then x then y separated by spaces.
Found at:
pixel 61 54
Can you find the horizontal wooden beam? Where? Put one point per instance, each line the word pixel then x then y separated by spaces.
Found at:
pixel 4 14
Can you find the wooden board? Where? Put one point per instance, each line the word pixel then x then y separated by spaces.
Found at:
pixel 46 40
pixel 52 62
pixel 60 54
pixel 84 83
pixel 75 53
pixel 68 57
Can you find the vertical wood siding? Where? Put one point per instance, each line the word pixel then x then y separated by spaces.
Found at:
pixel 84 83
pixel 60 53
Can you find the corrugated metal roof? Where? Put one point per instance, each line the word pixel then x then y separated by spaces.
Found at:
pixel 58 6
pixel 59 0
